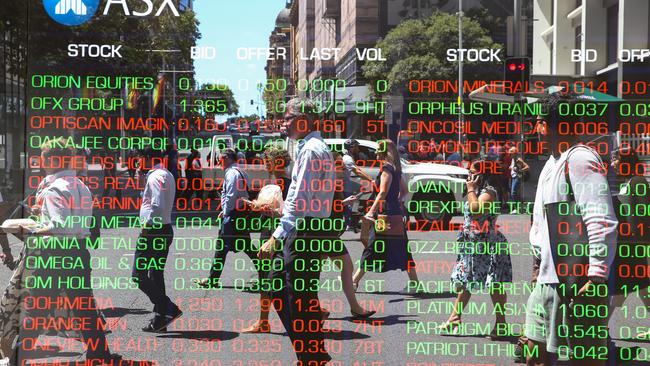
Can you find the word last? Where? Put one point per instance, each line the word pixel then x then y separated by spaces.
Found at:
pixel 326 54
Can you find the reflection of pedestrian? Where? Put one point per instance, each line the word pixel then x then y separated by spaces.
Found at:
pixel 541 128
pixel 578 170
pixel 454 159
pixel 349 187
pixel 480 263
pixel 467 160
pixel 83 157
pixel 156 237
pixel 387 253
pixel 435 152
pixel 109 165
pixel 193 175
pixel 341 257
pixel 504 170
pixel 518 169
pixel 403 153
pixel 60 196
pixel 241 157
pixel 132 162
pixel 233 216
pixel 305 212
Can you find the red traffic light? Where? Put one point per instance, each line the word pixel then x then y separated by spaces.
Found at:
pixel 516 70
pixel 515 67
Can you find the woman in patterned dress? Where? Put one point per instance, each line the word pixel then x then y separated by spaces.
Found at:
pixel 483 257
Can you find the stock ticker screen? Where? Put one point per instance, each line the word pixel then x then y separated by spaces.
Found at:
pixel 323 182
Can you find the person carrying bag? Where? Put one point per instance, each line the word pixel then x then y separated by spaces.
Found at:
pixel 385 230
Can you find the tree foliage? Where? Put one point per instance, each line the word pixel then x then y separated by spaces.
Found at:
pixel 251 117
pixel 219 92
pixel 417 49
pixel 274 100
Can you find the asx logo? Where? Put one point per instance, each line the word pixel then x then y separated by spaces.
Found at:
pixel 76 6
pixel 76 12
pixel 71 12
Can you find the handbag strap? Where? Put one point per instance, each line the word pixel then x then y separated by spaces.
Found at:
pixel 567 179
pixel 566 168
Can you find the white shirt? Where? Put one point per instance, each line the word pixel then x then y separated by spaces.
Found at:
pixel 314 162
pixel 592 194
pixel 350 166
pixel 158 197
pixel 513 170
pixel 232 189
pixel 62 197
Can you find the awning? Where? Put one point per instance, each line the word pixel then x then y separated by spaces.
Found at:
pixel 584 94
pixel 353 94
pixel 483 94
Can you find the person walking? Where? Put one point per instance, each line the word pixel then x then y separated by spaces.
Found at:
pixel 156 237
pixel 132 162
pixel 61 195
pixel 193 175
pixel 481 260
pixel 276 160
pixel 349 187
pixel 518 169
pixel 111 179
pixel 386 253
pixel 305 212
pixel 340 257
pixel 573 173
pixel 232 215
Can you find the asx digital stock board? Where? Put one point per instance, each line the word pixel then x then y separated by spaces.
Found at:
pixel 324 182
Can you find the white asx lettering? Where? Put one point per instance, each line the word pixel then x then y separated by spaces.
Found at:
pixel 149 10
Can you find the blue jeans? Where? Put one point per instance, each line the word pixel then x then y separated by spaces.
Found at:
pixel 515 184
